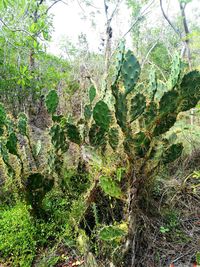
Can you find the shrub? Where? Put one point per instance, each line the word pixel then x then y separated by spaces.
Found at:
pixel 17 244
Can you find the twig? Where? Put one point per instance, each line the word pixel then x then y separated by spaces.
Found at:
pixel 169 21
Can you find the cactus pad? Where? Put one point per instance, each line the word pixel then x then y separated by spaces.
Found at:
pixel 52 101
pixel 88 112
pixel 97 136
pixel 138 105
pixel 168 102
pixel 172 153
pixel 58 138
pixel 92 93
pixel 22 124
pixel 12 144
pixel 113 136
pixel 102 115
pixel 130 71
pixel 141 143
pixel 73 133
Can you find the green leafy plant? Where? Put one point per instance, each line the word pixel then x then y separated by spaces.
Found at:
pixel 17 235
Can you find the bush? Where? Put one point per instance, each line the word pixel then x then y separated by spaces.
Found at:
pixel 17 244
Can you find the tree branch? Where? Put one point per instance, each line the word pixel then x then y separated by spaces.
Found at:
pixel 169 21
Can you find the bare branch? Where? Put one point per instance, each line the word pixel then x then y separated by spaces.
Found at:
pixel 52 5
pixel 169 21
pixel 139 18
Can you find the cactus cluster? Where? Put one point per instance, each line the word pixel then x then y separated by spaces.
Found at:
pixel 155 115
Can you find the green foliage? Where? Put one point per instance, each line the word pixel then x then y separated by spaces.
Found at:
pixel 36 188
pixel 52 101
pixel 22 124
pixel 110 187
pixel 110 233
pixel 2 117
pixel 198 257
pixel 17 235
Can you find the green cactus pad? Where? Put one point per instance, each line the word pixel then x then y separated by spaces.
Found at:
pixel 88 112
pixel 4 151
pixel 113 136
pixel 97 136
pixel 2 115
pixel 189 91
pixel 58 138
pixel 119 60
pixel 22 124
pixel 102 115
pixel 73 133
pixel 130 71
pixel 163 124
pixel 150 114
pixel 121 110
pixel 169 102
pixel 12 144
pixel 141 143
pixel 172 153
pixel 52 101
pixel 92 93
pixel 153 84
pixel 57 118
pixel 175 71
pixel 138 105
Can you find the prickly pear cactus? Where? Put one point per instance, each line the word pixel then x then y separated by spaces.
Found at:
pixel 130 71
pixel 154 115
pixel 52 101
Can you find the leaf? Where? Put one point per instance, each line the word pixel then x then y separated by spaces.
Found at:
pixel 102 115
pixel 110 233
pixel 110 187
pixel 52 101
pixel 92 93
